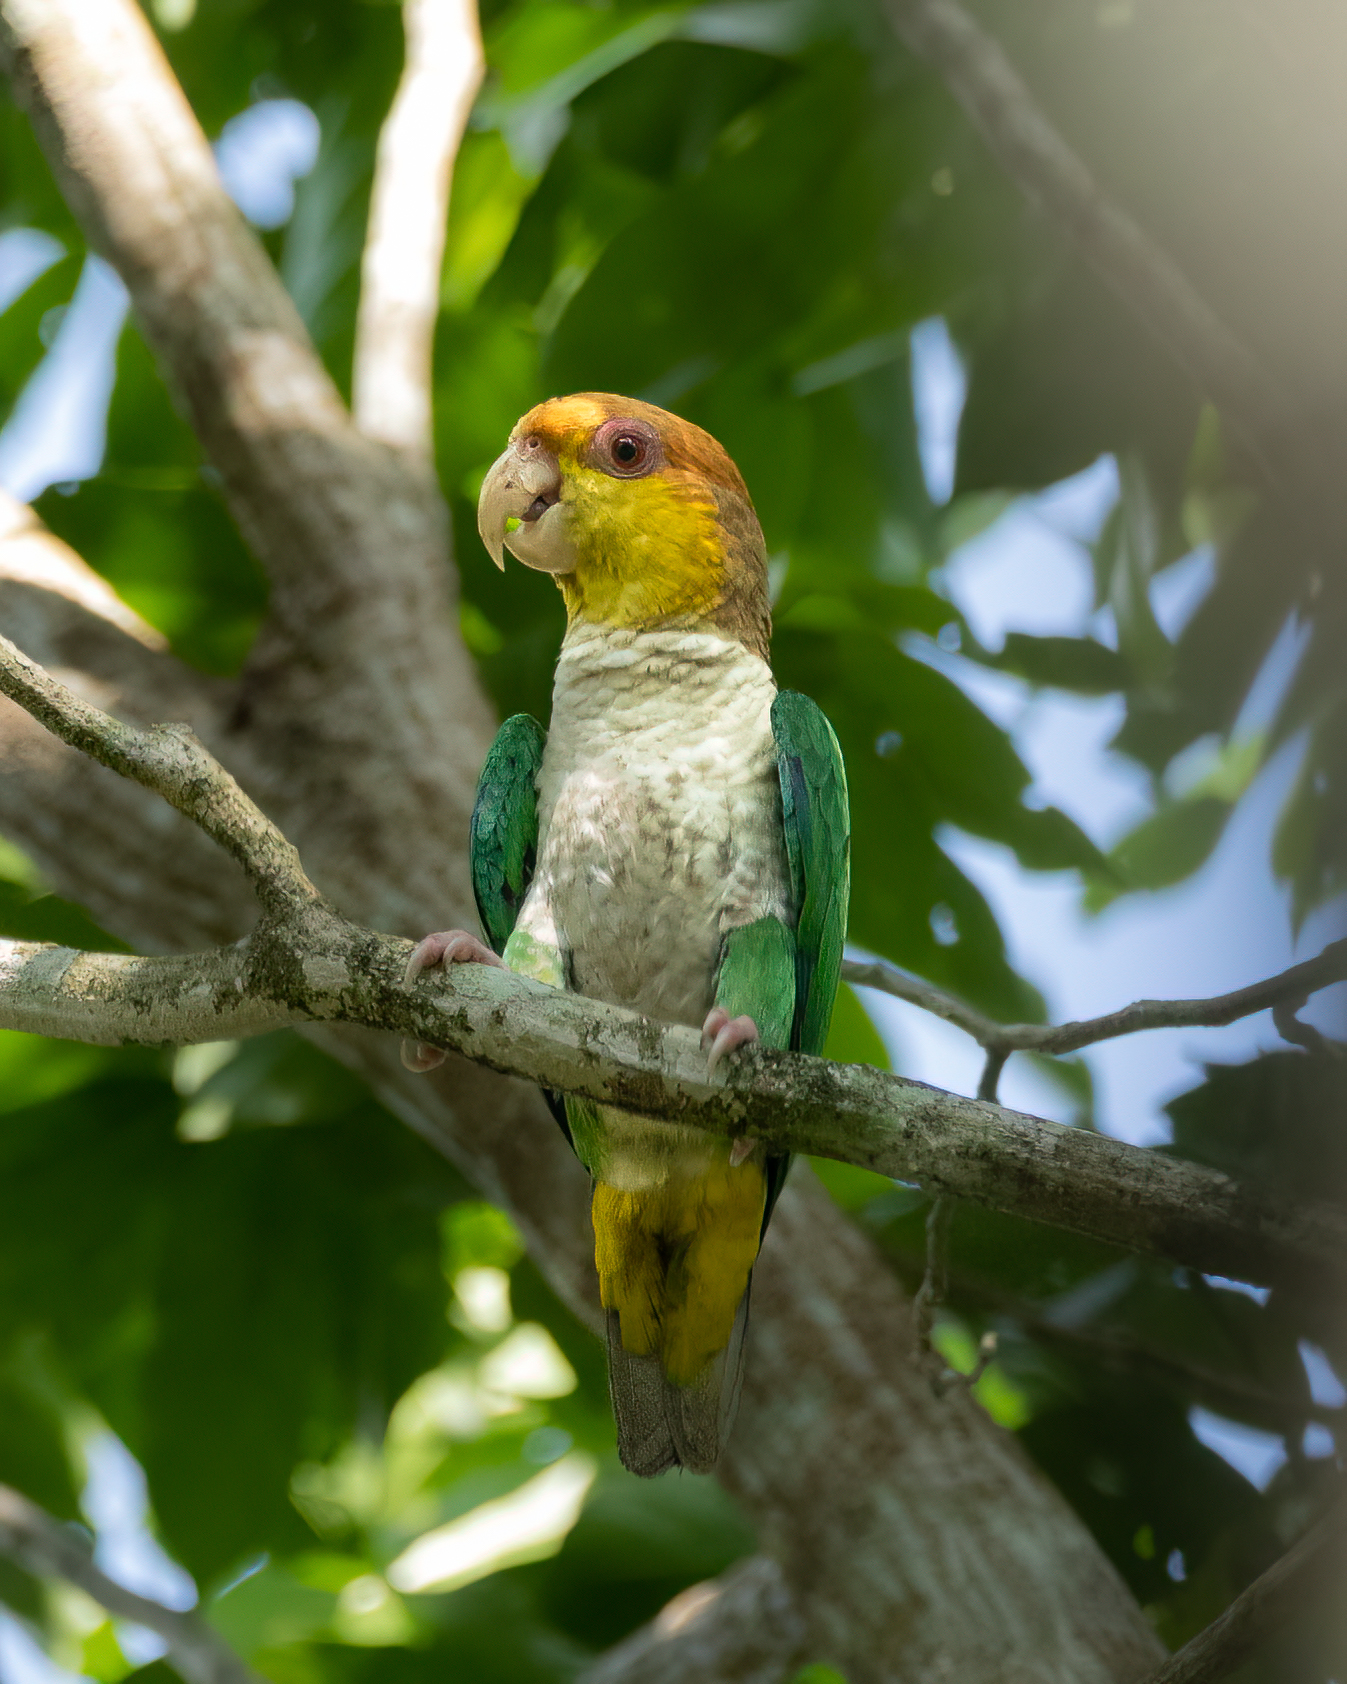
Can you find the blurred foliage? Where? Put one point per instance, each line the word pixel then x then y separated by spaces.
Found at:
pixel 319 1344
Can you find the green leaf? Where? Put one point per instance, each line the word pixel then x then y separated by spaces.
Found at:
pixel 297 1289
pixel 1273 1121
pixel 269 1609
pixel 1063 663
pixel 1163 849
pixel 26 917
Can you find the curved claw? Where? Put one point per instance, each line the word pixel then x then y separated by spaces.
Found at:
pixel 448 947
pixel 443 947
pixel 419 1057
pixel 722 1033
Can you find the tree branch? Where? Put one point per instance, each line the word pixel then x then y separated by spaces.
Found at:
pixel 325 969
pixel 400 274
pixel 169 760
pixel 97 838
pixel 32 1538
pixel 1265 1606
pixel 306 963
pixel 1292 986
pixel 1041 163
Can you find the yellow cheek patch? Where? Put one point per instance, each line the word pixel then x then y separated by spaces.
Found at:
pixel 646 549
pixel 674 1261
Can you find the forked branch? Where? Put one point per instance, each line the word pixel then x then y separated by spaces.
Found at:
pixel 353 539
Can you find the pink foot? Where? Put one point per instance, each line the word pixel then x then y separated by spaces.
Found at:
pixel 721 1033
pixel 444 947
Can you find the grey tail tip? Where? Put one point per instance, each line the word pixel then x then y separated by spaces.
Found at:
pixel 661 1425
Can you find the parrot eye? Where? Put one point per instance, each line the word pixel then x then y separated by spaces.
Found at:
pixel 627 449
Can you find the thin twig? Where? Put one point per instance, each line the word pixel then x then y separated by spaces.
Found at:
pixel 29 1536
pixel 1040 162
pixel 987 1348
pixel 1299 1034
pixel 991 1072
pixel 931 1293
pixel 169 760
pixel 1269 1603
pixel 1295 984
pixel 1280 1412
pixel 400 273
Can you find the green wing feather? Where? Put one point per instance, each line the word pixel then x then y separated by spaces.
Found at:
pixel 818 847
pixel 815 820
pixel 504 835
pixel 503 840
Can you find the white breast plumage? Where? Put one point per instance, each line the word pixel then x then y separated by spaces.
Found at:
pixel 659 815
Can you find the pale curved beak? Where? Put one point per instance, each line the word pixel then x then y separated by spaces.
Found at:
pixel 520 509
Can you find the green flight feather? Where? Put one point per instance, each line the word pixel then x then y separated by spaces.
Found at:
pixel 504 834
pixel 503 841
pixel 818 847
pixel 786 979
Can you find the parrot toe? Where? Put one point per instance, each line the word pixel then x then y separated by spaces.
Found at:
pixel 448 947
pixel 721 1033
pixel 418 1057
pixel 443 947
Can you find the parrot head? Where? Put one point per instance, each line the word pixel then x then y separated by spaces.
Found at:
pixel 642 518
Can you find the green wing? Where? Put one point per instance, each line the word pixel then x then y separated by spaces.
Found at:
pixel 504 836
pixel 786 979
pixel 818 848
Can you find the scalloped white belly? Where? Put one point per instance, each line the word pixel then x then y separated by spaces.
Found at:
pixel 659 816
